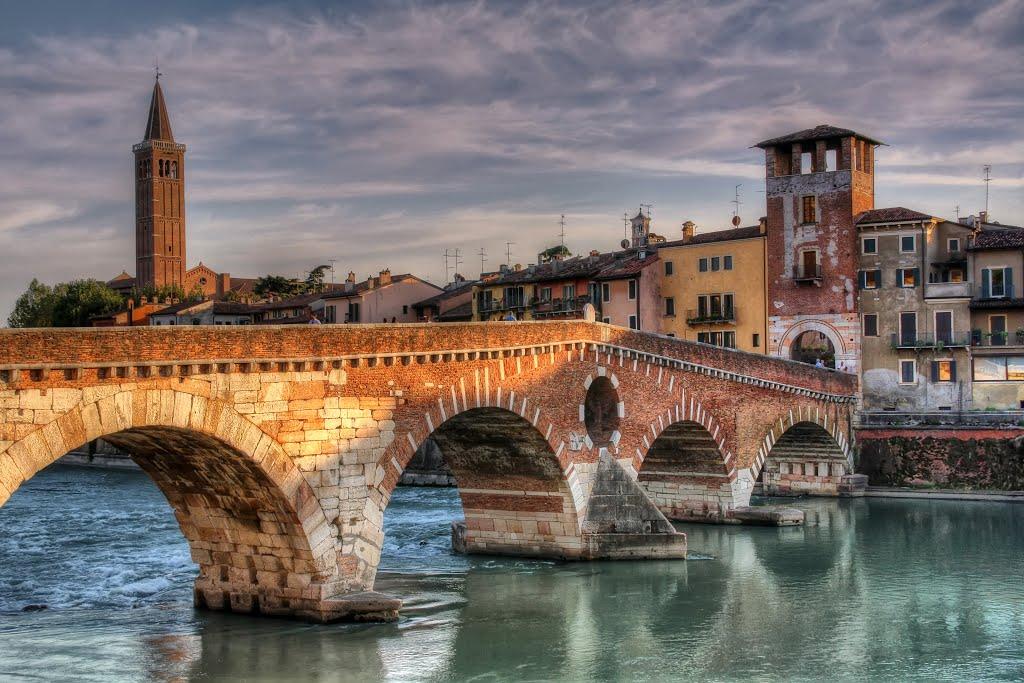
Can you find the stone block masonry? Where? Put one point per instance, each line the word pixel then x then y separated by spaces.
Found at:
pixel 279 447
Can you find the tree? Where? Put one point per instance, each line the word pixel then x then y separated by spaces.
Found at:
pixel 34 307
pixel 78 301
pixel 315 279
pixel 68 304
pixel 276 285
pixel 559 251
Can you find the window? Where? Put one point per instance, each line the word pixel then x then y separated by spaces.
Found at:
pixel 906 277
pixel 756 340
pixel 870 324
pixel 869 245
pixel 716 305
pixel 607 320
pixel 807 212
pixel 704 337
pixel 996 283
pixel 989 369
pixel 728 312
pixel 830 159
pixel 545 294
pixel 806 162
pixel 513 296
pixel 702 265
pixel 668 267
pixel 606 292
pixel 908 244
pixel 670 306
pixel 908 371
pixel 716 263
pixel 632 323
pixel 944 370
pixel 953 244
pixel 568 292
pixel 908 328
pixel 405 309
pixel 956 275
pixel 729 340
pixel 944 327
pixel 870 279
pixel 632 290
pixel 353 312
pixel 997 330
pixel 727 263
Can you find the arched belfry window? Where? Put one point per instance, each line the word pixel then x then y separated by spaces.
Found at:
pixel 174 169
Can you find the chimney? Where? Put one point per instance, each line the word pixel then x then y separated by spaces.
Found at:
pixel 385 277
pixel 762 225
pixel 503 268
pixel 983 217
pixel 595 252
pixel 223 283
pixel 518 267
pixel 688 228
pixel 371 282
pixel 351 277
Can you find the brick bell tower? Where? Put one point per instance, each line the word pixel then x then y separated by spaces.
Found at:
pixel 816 181
pixel 159 200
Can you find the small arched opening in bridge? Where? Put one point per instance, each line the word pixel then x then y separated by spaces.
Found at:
pixel 801 459
pixel 686 474
pixel 601 411
pixel 249 518
pixel 511 488
pixel 812 347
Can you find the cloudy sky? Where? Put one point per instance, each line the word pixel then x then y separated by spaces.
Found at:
pixel 380 134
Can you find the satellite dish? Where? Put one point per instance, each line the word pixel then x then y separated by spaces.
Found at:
pixel 624 244
pixel 736 220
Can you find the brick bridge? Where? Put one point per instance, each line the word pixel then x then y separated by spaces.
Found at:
pixel 278 447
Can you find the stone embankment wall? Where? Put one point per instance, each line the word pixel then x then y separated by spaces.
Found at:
pixel 967 458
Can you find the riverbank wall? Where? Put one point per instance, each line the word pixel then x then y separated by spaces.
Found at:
pixel 975 452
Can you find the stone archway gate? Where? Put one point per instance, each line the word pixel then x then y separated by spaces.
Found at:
pixel 279 447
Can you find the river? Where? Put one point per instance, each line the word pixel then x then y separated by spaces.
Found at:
pixel 869 589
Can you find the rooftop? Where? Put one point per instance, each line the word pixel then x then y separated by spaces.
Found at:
pixel 1007 238
pixel 822 132
pixel 893 214
pixel 743 233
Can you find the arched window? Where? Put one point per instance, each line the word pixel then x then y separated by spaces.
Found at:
pixel 160 167
pixel 174 169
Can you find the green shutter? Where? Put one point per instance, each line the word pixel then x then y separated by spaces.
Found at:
pixel 986 283
pixel 917 276
pixel 862 278
pixel 952 370
pixel 878 278
pixel 935 371
pixel 1008 279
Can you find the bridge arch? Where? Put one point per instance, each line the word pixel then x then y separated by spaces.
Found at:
pixel 806 453
pixel 254 526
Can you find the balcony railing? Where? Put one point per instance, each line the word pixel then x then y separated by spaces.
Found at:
pixel 712 317
pixel 562 307
pixel 947 289
pixel 806 272
pixel 923 340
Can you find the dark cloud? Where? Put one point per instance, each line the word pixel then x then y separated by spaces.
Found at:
pixel 380 134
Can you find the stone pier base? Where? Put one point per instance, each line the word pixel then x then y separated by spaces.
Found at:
pixel 300 604
pixel 593 546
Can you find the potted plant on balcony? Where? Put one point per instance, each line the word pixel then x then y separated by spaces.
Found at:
pixel 975 337
pixel 1020 335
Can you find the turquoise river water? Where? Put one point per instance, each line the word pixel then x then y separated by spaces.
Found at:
pixel 867 590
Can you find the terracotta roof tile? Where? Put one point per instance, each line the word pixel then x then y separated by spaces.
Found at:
pixel 822 132
pixel 893 214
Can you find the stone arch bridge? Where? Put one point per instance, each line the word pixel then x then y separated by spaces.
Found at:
pixel 278 447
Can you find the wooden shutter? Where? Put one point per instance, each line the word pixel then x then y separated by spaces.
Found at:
pixel 986 283
pixel 935 371
pixel 1008 280
pixel 917 276
pixel 952 371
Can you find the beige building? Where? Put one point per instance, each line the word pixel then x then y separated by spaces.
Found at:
pixel 997 317
pixel 384 298
pixel 713 287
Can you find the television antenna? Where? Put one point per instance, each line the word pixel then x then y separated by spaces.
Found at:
pixel 483 257
pixel 449 258
pixel 561 224
pixel 736 201
pixel 648 207
pixel 988 179
pixel 508 253
pixel 625 224
pixel 332 262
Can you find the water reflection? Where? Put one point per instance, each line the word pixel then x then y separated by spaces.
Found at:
pixel 867 590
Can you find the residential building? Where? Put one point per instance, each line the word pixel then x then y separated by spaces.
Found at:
pixel 294 309
pixel 817 180
pixel 997 316
pixel 713 287
pixel 630 290
pixel 454 304
pixel 915 291
pixel 208 312
pixel 380 298
pixel 557 289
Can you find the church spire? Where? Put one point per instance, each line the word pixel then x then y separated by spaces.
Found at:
pixel 158 125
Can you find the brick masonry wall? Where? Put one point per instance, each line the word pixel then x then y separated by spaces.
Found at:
pixel 974 458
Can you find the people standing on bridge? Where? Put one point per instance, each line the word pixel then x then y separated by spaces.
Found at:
pixel 510 316
pixel 819 363
pixel 314 320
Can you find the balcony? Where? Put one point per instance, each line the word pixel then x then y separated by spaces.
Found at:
pixel 712 317
pixel 923 340
pixel 807 272
pixel 944 290
pixel 571 307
